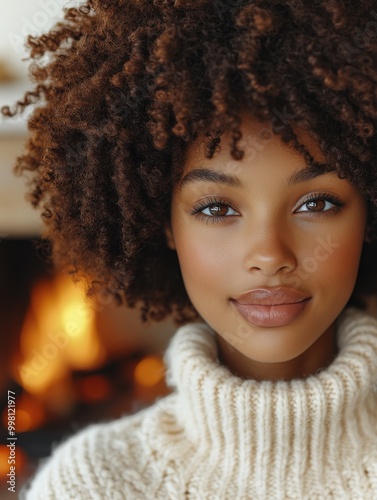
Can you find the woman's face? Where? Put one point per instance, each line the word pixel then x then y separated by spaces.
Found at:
pixel 269 252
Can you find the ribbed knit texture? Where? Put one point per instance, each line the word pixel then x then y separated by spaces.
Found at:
pixel 220 437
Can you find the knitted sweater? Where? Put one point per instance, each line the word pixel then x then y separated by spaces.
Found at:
pixel 221 437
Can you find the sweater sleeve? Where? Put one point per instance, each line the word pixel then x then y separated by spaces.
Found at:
pixel 101 462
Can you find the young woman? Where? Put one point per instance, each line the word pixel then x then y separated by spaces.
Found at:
pixel 216 160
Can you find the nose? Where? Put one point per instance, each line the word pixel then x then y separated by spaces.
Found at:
pixel 270 250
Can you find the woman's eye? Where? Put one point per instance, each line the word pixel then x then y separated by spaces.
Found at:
pixel 214 210
pixel 218 210
pixel 318 205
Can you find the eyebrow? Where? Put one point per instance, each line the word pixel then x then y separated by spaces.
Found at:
pixel 205 174
pixel 309 172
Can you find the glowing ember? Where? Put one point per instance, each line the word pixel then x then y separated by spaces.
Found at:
pixel 95 388
pixel 20 459
pixel 29 414
pixel 149 371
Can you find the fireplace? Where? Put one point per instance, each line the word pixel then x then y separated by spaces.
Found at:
pixel 66 362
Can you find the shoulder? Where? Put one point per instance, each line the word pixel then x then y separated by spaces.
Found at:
pixel 105 460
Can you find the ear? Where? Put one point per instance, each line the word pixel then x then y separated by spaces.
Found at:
pixel 169 237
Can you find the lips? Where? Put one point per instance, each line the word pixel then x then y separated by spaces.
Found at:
pixel 271 307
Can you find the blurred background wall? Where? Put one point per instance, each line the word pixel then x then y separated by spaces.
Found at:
pixel 18 18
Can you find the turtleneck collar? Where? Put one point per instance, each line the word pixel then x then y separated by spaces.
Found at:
pixel 281 430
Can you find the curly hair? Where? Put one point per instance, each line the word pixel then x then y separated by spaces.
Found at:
pixel 122 87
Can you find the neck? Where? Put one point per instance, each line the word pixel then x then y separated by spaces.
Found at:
pixel 318 356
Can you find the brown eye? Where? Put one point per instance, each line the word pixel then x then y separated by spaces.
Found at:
pixel 215 210
pixel 218 210
pixel 321 203
pixel 316 205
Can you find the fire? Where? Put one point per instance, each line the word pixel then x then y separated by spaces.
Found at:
pixel 30 414
pixel 58 336
pixel 149 371
pixel 20 461
pixel 95 388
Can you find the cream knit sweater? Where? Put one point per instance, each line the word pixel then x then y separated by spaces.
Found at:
pixel 220 437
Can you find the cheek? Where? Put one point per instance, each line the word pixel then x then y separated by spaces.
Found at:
pixel 344 264
pixel 205 263
pixel 335 261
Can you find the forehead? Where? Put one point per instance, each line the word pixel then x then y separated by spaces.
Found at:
pixel 258 143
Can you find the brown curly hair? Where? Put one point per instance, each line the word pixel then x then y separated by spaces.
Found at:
pixel 123 86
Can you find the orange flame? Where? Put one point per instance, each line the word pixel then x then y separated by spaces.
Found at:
pixel 58 336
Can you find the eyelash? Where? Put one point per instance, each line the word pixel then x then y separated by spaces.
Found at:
pixel 209 202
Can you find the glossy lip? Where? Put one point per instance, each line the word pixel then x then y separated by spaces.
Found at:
pixel 271 307
pixel 272 296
